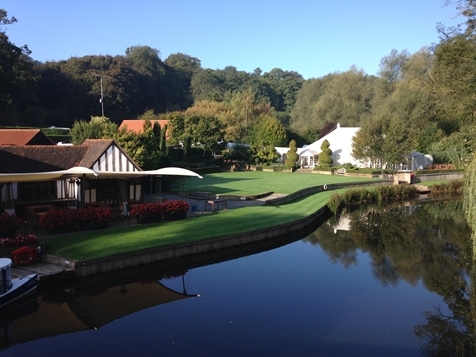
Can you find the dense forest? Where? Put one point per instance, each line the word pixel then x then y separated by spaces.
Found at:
pixel 423 100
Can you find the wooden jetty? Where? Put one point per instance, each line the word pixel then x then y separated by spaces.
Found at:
pixel 46 272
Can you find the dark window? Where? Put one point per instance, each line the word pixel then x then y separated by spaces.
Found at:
pixel 37 191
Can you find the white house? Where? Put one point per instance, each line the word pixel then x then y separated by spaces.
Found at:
pixel 340 141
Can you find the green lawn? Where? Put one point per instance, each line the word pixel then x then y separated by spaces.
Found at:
pixel 248 183
pixel 123 239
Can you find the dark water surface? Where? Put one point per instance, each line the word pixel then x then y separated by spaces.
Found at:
pixel 378 289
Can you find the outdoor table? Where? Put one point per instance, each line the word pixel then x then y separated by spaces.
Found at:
pixel 214 202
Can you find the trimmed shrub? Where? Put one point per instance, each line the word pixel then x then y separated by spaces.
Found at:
pixel 325 159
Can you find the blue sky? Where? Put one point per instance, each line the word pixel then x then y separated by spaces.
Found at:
pixel 311 37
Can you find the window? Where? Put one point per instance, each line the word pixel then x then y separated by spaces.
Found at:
pixel 37 191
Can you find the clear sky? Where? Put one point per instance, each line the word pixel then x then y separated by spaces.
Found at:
pixel 311 37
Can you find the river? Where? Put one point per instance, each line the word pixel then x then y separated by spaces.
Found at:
pixel 390 282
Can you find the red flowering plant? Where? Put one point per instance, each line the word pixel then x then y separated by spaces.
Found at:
pixel 9 223
pixel 93 215
pixel 176 207
pixel 57 219
pixel 146 210
pixel 20 239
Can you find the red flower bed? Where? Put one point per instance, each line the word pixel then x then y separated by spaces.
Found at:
pixel 146 210
pixel 169 209
pixel 21 239
pixel 8 223
pixel 65 218
pixel 176 207
pixel 61 218
pixel 93 215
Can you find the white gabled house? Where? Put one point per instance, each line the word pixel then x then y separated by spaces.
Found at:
pixel 340 140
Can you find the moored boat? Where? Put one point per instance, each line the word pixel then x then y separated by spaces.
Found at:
pixel 12 290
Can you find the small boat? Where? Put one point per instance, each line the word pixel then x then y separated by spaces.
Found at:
pixel 12 290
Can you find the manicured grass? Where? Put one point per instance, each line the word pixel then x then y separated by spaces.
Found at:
pixel 247 183
pixel 90 245
pixel 123 239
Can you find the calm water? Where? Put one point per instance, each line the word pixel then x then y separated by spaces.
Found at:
pixel 373 284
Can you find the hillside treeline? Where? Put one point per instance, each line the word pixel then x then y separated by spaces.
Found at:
pixel 427 97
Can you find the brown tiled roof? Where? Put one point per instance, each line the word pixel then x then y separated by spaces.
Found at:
pixel 23 137
pixel 95 148
pixel 40 158
pixel 137 125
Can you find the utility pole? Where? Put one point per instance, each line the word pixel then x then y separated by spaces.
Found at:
pixel 101 100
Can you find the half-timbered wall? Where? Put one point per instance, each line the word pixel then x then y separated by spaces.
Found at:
pixel 113 160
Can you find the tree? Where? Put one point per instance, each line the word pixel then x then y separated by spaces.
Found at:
pixel 453 82
pixel 343 98
pixel 325 159
pixel 96 128
pixel 382 142
pixel 268 131
pixel 208 131
pixel 265 153
pixel 203 130
pixel 18 89
pixel 292 156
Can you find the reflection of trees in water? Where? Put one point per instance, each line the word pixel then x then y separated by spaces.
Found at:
pixel 429 243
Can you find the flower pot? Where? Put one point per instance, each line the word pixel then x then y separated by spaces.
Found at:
pixel 150 219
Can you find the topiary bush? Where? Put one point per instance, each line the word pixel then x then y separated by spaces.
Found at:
pixel 324 157
pixel 292 156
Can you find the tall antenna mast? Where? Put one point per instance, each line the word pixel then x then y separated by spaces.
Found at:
pixel 101 100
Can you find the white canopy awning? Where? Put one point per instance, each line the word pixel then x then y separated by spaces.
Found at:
pixel 81 171
pixel 47 176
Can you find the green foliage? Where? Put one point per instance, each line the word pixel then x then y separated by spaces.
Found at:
pixel 96 128
pixel 238 152
pixel 325 159
pixel 19 88
pixel 341 98
pixel 382 142
pixel 454 187
pixel 268 131
pixel 470 193
pixel 203 130
pixel 362 196
pixel 292 155
pixel 457 148
pixel 265 154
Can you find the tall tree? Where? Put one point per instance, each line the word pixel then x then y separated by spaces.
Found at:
pixel 18 88
pixel 382 142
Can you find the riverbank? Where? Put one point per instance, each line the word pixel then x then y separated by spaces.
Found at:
pixel 295 217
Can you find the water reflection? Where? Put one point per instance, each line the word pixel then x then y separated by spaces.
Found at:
pixel 426 242
pixel 287 300
pixel 63 310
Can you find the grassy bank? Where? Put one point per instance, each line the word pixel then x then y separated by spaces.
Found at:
pixel 123 239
